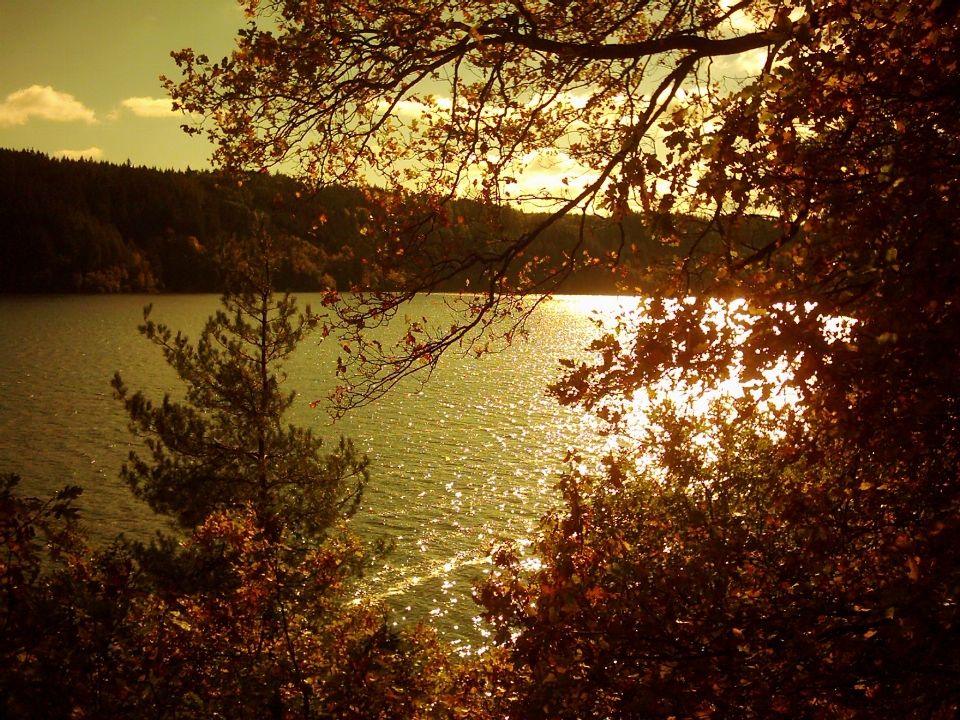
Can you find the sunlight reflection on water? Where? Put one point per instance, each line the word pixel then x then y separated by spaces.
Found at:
pixel 470 457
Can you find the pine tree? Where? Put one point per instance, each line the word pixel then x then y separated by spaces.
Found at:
pixel 223 464
pixel 226 446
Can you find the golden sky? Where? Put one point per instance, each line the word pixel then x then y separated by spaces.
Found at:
pixel 81 77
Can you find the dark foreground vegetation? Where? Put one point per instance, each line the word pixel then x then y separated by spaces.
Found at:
pixel 250 616
pixel 755 559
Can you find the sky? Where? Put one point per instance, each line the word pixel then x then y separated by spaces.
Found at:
pixel 81 77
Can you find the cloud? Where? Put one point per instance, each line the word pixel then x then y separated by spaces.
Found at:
pixel 745 65
pixel 43 102
pixel 555 173
pixel 150 107
pixel 91 153
pixel 740 20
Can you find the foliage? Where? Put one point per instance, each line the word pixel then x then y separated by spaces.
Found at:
pixel 85 635
pixel 734 578
pixel 280 639
pixel 794 150
pixel 746 564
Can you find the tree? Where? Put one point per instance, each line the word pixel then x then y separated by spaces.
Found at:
pixel 267 506
pixel 819 185
pixel 226 447
pixel 749 564
pixel 251 614
pixel 655 110
pixel 732 579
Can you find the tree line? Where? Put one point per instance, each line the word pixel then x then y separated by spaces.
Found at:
pixel 85 226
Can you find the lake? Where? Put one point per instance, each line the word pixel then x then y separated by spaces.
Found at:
pixel 471 456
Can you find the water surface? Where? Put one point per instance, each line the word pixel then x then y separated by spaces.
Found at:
pixel 469 457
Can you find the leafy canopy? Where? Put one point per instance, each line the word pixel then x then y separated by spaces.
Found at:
pixel 788 149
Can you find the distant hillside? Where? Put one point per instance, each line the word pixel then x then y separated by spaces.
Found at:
pixel 82 226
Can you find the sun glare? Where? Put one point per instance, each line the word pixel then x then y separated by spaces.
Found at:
pixel 701 399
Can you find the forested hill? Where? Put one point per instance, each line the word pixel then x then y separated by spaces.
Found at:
pixel 82 226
